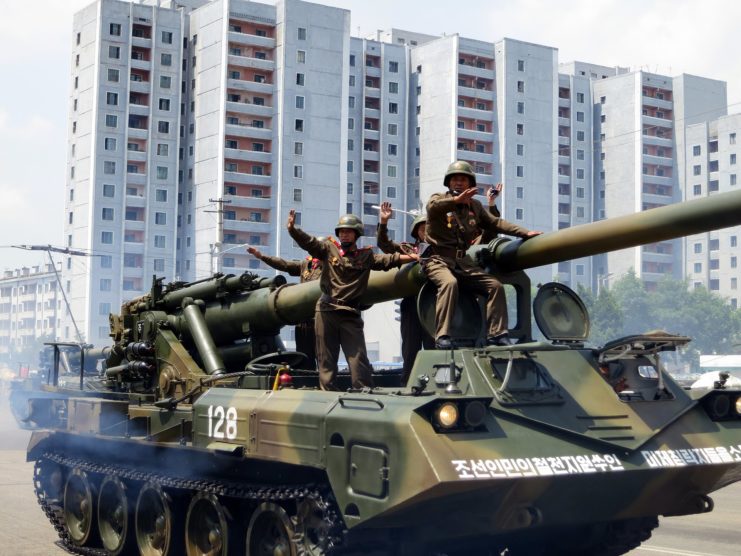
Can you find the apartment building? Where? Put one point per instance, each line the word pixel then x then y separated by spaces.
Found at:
pixel 124 115
pixel 712 153
pixel 31 306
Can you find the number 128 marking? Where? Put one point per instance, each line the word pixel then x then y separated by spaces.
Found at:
pixel 222 423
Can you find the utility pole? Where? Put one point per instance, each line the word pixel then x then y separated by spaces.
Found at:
pixel 216 247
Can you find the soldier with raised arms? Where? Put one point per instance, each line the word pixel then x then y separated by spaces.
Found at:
pixel 413 336
pixel 343 280
pixel 455 220
pixel 308 270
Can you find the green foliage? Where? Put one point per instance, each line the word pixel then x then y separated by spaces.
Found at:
pixel 627 308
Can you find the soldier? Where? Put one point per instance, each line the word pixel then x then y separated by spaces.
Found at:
pixel 413 336
pixel 344 278
pixel 308 269
pixel 455 221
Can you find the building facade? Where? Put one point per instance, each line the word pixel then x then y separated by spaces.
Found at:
pixel 31 307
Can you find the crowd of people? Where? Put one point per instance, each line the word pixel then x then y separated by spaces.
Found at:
pixel 454 221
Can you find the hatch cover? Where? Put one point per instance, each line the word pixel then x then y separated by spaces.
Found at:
pixel 560 314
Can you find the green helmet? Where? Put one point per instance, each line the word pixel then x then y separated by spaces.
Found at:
pixel 349 222
pixel 421 219
pixel 460 167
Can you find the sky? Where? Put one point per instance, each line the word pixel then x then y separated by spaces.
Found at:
pixel 662 36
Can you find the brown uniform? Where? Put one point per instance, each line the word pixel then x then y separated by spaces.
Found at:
pixel 308 269
pixel 488 235
pixel 413 336
pixel 451 229
pixel 338 324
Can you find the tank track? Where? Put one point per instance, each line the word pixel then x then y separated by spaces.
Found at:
pixel 321 497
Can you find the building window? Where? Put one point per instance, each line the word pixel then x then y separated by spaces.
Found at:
pixel 520 171
pixel 520 129
pixel 696 170
pixel 696 150
pixel 114 52
pixel 391 192
pixel 520 86
pixel 163 149
pixel 166 59
pixel 297 194
pixel 302 33
pixel 580 154
pixel 520 149
pixel 109 144
pixel 165 104
pixel 160 195
pixel 602 100
pixel 580 173
pixel 732 138
pixel 109 167
pixel 300 79
pixel 520 107
pixel 160 218
pixel 161 172
pixel 519 214
pixel 107 214
pixel 167 37
pixel 165 81
pixel 732 179
pixel 113 75
pixel 111 99
pixel 111 120
pixel 391 171
pixel 109 190
pixel 163 127
pixel 580 136
pixel 350 123
pixel 299 102
pixel 733 159
pixel 580 98
pixel 393 108
pixel 350 166
pixel 580 116
pixel 298 172
pixel 393 87
pixel 520 192
pixel 393 129
pixel 352 81
pixel 520 65
pixel 106 238
pixel 298 125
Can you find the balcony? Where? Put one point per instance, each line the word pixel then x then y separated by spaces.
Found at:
pixel 659 180
pixel 251 40
pixel 484 180
pixel 141 64
pixel 139 86
pixel 564 102
pixel 658 160
pixel 658 141
pixel 658 103
pixel 141 42
pixel 138 109
pixel 248 179
pixel 565 122
pixel 564 160
pixel 371 134
pixel 372 113
pixel 253 63
pixel 246 130
pixel 657 122
pixel 250 156
pixel 136 179
pixel 372 71
pixel 474 135
pixel 475 113
pixel 136 201
pixel 248 202
pixel 371 176
pixel 249 109
pixel 134 225
pixel 564 140
pixel 474 156
pixel 135 248
pixel 247 226
pixel 372 92
pixel 138 132
pixel 465 69
pixel 250 86
pixel 481 94
pixel 136 156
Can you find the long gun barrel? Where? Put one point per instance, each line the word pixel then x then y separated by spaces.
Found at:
pixel 266 310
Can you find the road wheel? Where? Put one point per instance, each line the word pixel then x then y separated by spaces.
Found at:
pixel 270 532
pixel 206 528
pixel 114 512
pixel 156 525
pixel 78 507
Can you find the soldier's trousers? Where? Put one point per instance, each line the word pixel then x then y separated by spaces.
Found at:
pixel 341 329
pixel 447 281
pixel 413 336
pixel 306 341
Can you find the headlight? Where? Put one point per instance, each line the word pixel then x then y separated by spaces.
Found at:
pixel 738 406
pixel 447 415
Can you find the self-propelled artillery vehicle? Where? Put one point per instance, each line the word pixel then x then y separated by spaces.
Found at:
pixel 205 437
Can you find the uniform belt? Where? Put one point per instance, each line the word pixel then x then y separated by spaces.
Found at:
pixel 329 299
pixel 449 252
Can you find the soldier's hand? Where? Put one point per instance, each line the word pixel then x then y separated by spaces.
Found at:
pixel 533 233
pixel 385 212
pixel 493 192
pixel 465 197
pixel 291 219
pixel 254 252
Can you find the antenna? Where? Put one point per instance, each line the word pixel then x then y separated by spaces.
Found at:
pixel 67 251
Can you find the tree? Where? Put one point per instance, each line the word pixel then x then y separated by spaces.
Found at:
pixel 631 296
pixel 606 318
